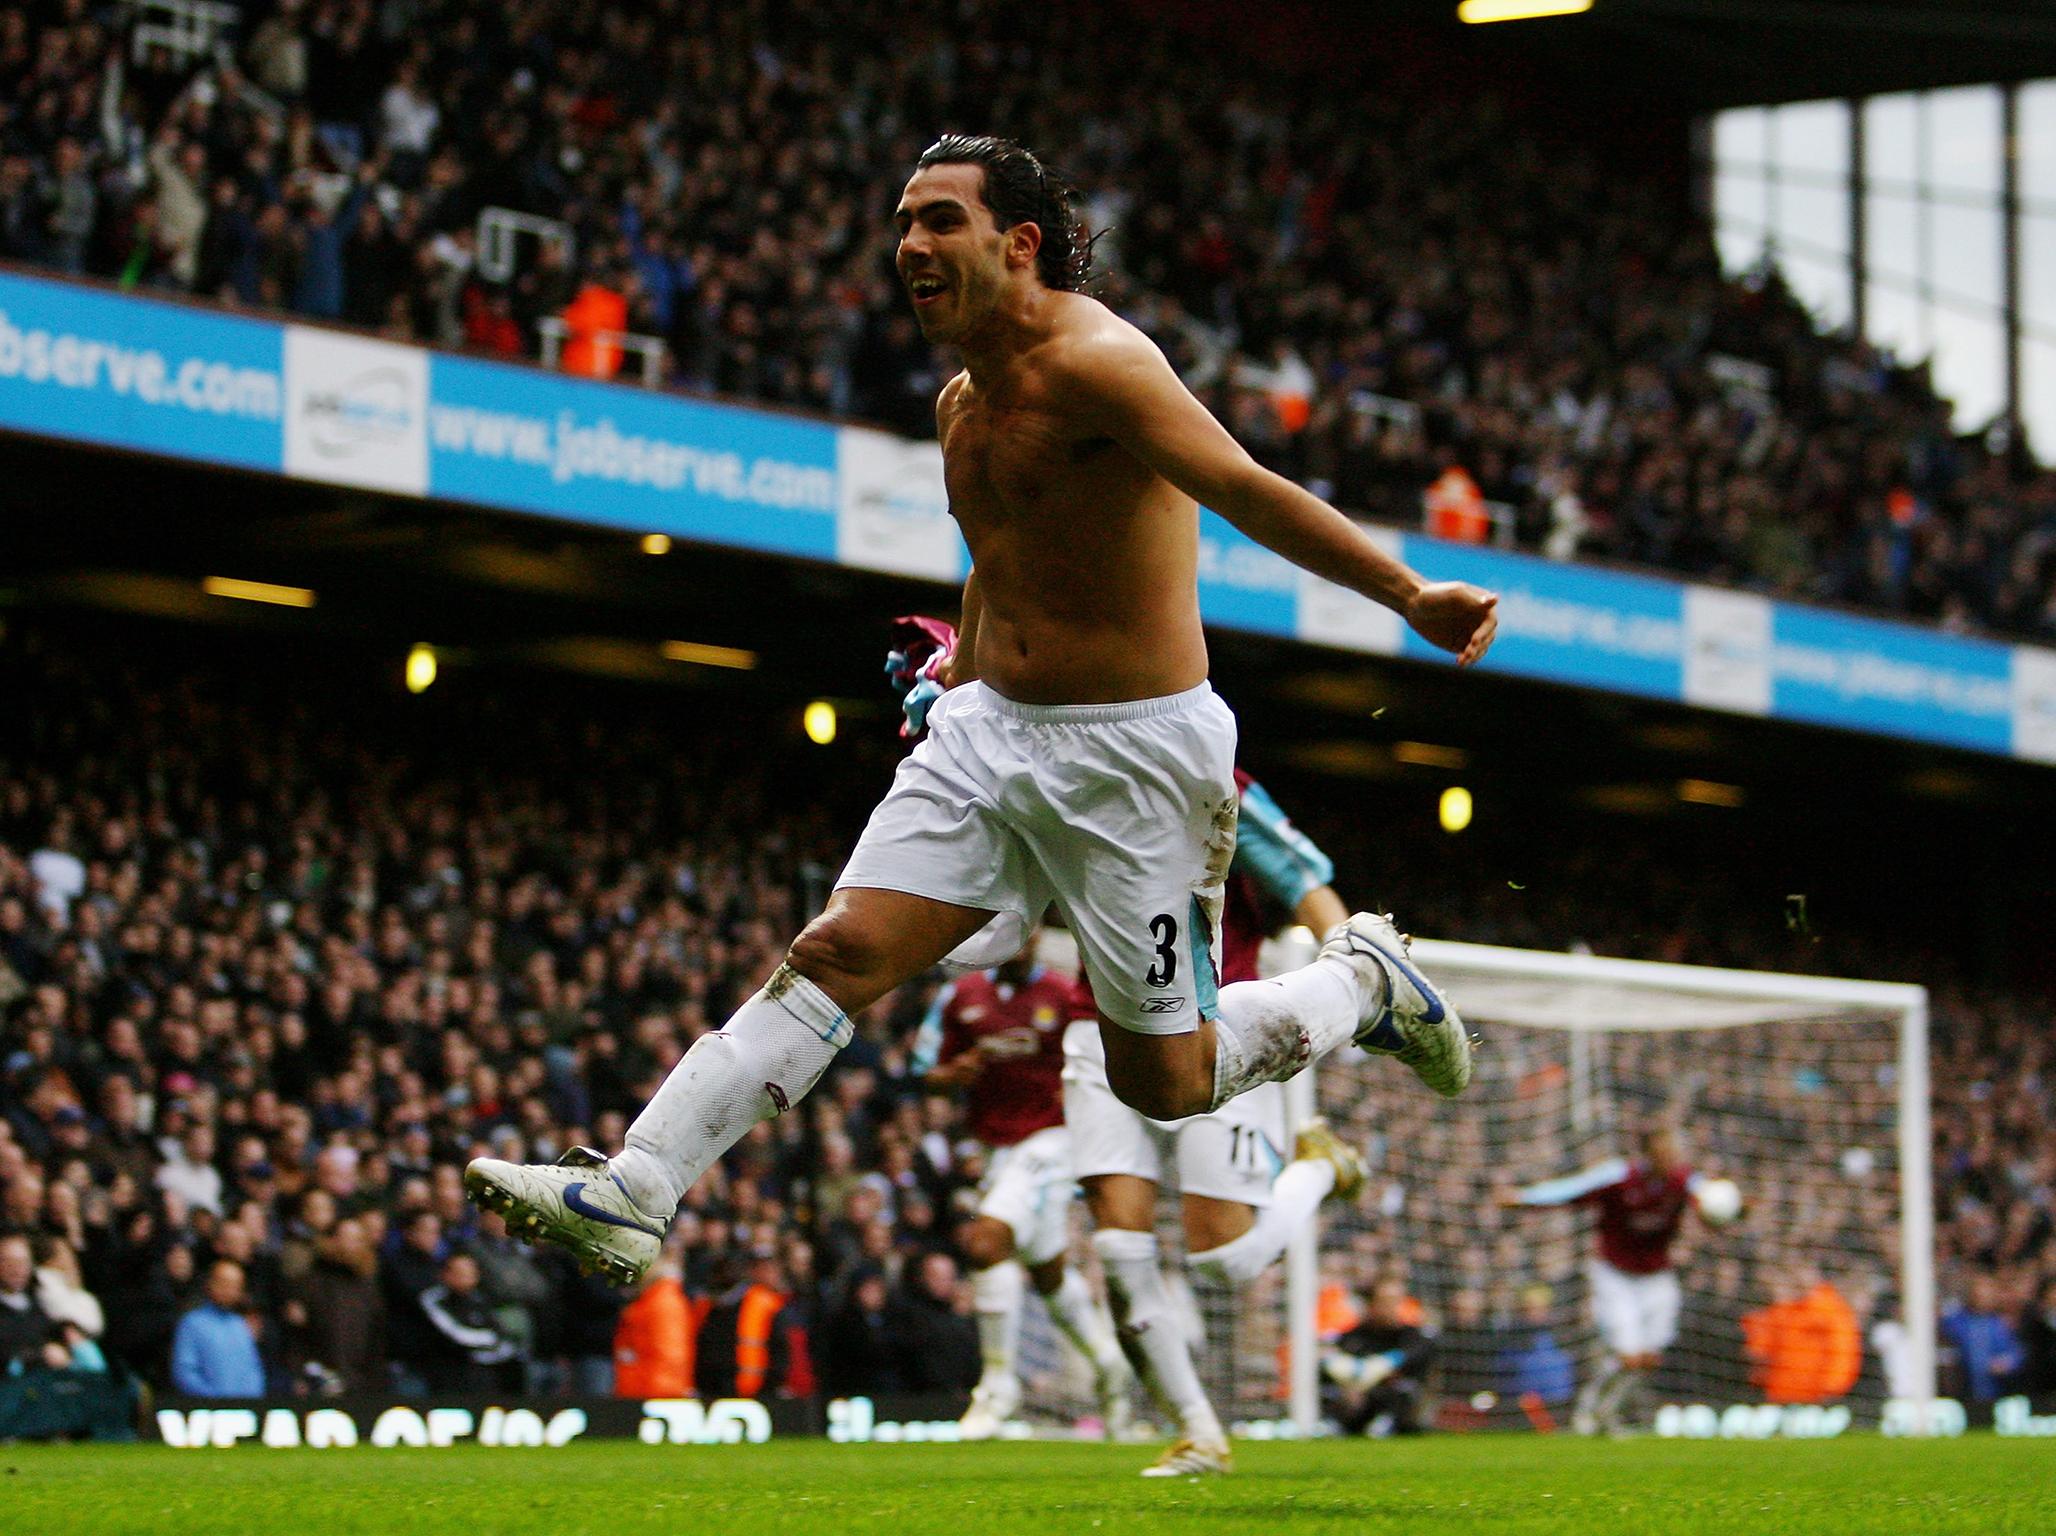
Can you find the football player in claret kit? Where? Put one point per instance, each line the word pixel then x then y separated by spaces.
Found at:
pixel 1641 1203
pixel 998 1036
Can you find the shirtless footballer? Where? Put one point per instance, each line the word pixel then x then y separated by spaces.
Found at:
pixel 1078 756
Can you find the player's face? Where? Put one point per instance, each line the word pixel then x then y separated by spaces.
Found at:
pixel 952 256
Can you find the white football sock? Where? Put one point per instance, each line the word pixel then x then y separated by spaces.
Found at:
pixel 1082 1319
pixel 759 1064
pixel 1267 1031
pixel 1295 1195
pixel 1155 1332
pixel 996 1298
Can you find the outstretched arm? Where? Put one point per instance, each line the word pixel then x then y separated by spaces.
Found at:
pixel 1574 1187
pixel 1123 381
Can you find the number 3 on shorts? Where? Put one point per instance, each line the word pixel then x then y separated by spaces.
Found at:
pixel 1165 928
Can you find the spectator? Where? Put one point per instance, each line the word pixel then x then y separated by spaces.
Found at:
pixel 339 1311
pixel 1805 1345
pixel 24 1326
pixel 413 1264
pixel 585 1312
pixel 742 1351
pixel 61 1289
pixel 468 1354
pixel 861 1352
pixel 1988 1351
pixel 515 1286
pixel 214 1353
pixel 189 1170
pixel 1536 1365
pixel 653 1341
pixel 2037 1377
pixel 1377 1371
pixel 940 1339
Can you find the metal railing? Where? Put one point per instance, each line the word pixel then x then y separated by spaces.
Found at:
pixel 499 230
pixel 650 349
pixel 189 28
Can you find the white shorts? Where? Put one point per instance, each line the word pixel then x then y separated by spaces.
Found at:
pixel 1232 1154
pixel 1635 1314
pixel 1122 814
pixel 1029 1186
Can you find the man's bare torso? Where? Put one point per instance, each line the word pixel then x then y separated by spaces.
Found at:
pixel 1085 557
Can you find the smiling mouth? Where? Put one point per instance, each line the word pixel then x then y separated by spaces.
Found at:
pixel 926 289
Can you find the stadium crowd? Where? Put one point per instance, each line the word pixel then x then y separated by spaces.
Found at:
pixel 1389 285
pixel 277 958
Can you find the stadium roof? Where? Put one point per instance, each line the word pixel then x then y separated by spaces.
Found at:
pixel 1702 54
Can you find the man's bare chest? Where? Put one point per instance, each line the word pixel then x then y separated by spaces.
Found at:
pixel 1014 462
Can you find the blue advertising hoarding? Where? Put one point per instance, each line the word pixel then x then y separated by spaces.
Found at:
pixel 92 366
pixel 513 437
pixel 98 367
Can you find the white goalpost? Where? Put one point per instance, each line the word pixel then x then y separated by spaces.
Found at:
pixel 1810 1093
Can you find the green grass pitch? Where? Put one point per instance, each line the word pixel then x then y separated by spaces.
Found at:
pixel 1493 1486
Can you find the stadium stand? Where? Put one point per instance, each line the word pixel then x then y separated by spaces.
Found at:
pixel 1380 291
pixel 277 956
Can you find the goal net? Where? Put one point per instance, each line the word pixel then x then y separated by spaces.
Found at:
pixel 1810 1094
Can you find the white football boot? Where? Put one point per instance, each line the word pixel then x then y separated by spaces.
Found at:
pixel 575 1203
pixel 1411 1020
pixel 994 1400
pixel 1192 1458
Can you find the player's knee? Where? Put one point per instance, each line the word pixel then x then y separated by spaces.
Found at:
pixel 1048 1276
pixel 986 1242
pixel 1236 1263
pixel 837 955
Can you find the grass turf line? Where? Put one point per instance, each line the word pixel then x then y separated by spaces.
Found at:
pixel 1488 1486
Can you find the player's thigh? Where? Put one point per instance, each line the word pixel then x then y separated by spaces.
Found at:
pixel 868 941
pixel 1616 1309
pixel 940 837
pixel 1661 1299
pixel 1121 1202
pixel 1134 833
pixel 1164 1076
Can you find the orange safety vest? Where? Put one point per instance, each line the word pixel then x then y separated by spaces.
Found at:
pixel 1456 508
pixel 1807 1350
pixel 754 1321
pixel 596 309
pixel 653 1343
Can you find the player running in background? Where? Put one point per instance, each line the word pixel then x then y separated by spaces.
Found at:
pixel 1641 1203
pixel 998 1036
pixel 1080 755
pixel 1242 1202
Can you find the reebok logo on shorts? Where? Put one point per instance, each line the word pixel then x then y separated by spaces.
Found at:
pixel 1162 1004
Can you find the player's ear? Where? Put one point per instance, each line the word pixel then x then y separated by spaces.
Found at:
pixel 1023 241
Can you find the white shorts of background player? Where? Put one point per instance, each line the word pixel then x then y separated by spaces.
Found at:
pixel 1121 814
pixel 1233 1154
pixel 1029 1186
pixel 1635 1314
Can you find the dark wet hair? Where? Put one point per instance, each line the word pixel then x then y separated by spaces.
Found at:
pixel 1020 189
